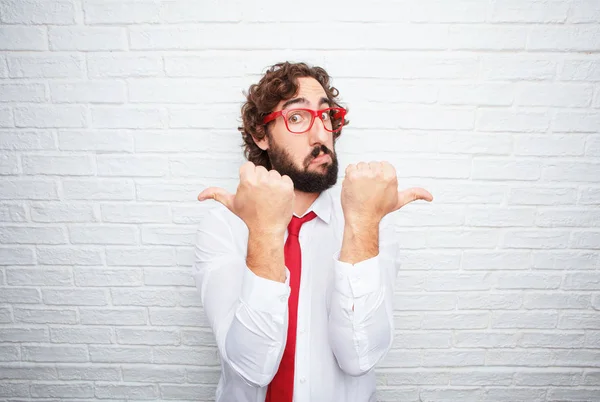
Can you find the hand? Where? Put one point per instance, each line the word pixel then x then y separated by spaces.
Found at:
pixel 370 192
pixel 264 199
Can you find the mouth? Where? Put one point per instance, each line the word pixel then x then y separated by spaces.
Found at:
pixel 322 158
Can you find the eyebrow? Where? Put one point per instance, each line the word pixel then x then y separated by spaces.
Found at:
pixel 294 101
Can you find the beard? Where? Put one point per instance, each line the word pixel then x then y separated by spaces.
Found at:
pixel 304 180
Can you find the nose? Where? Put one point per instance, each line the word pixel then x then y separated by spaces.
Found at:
pixel 317 133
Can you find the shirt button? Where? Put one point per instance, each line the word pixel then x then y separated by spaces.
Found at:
pixel 282 298
pixel 301 330
pixel 302 380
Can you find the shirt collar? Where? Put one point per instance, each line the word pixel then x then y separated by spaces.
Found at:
pixel 322 206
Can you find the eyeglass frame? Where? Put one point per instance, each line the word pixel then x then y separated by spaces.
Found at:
pixel 314 113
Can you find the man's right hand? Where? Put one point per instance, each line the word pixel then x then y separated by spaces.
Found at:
pixel 264 200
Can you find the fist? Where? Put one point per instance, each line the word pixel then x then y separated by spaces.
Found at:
pixel 264 200
pixel 370 192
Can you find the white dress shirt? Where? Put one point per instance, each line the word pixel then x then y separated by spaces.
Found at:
pixel 345 319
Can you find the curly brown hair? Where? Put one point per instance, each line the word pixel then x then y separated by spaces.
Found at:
pixel 279 83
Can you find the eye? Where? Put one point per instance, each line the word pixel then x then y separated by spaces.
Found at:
pixel 295 118
pixel 325 116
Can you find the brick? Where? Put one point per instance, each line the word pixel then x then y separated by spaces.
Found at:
pixel 80 335
pixel 69 255
pixel 584 11
pixel 565 260
pixel 485 339
pixel 210 168
pixel 529 11
pixel 32 235
pixel 458 282
pixel 9 353
pixel 519 357
pixel 37 12
pixel 23 335
pixel 577 358
pixel 546 377
pixel 495 260
pixel 51 116
pixel 450 394
pixel 141 166
pixel 182 90
pixel 590 378
pixel 550 145
pixel 170 277
pixel 505 169
pixel 537 239
pixel 89 373
pixel 22 38
pixel 9 164
pixel 14 389
pixel 513 319
pixel 373 90
pixel 439 11
pixel 57 165
pixel 391 116
pixel 115 65
pixel 190 298
pixel 500 217
pixel 103 234
pixel 16 256
pixel 552 340
pixel 569 320
pixel 75 297
pixel 39 276
pixel 135 213
pixel 10 295
pixel 481 37
pixel 517 68
pixel 570 394
pixel 204 392
pixel 592 147
pixel 592 339
pixel 565 38
pixel 186 140
pixel 582 281
pixel 580 70
pixel 487 301
pixel 185 117
pixel 189 317
pixel 146 297
pixel 556 301
pixel 87 39
pixel 398 394
pixel 589 195
pixel 117 354
pixel 131 391
pixel 95 140
pixel 484 193
pixel 45 316
pixel 6 117
pixel 459 238
pixel 108 277
pixel 22 93
pixel 202 375
pixel 27 373
pixel 154 374
pixel 413 377
pixel 13 213
pixel 3 67
pixel 509 121
pixel 416 302
pixel 419 340
pixel 481 377
pixel 455 320
pixel 49 212
pixel 26 140
pixel 520 280
pixel 141 256
pixel 541 195
pixel 98 189
pixel 514 394
pixel 538 94
pixel 199 338
pixel 31 65
pixel 185 256
pixel 419 261
pixel 129 336
pixel 128 12
pixel 589 240
pixel 62 390
pixel 480 144
pixel 573 122
pixel 168 235
pixel 5 316
pixel 112 316
pixel 180 355
pixel 88 92
pixel 55 354
pixel 567 218
pixel 127 117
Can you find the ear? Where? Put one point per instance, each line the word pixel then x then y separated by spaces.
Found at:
pixel 262 143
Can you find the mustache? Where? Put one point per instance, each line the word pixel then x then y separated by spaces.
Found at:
pixel 316 151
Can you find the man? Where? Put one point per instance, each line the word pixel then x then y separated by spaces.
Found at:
pixel 297 284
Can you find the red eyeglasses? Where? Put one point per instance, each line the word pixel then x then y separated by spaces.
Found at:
pixel 299 121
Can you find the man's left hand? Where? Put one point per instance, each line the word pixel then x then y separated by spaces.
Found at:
pixel 370 192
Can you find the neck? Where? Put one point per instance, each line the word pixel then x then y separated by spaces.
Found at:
pixel 302 201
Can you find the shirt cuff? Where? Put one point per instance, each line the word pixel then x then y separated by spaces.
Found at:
pixel 265 295
pixel 359 279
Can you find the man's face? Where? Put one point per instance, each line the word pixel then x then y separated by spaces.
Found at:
pixel 309 158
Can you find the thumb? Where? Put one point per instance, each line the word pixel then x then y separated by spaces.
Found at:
pixel 217 194
pixel 412 194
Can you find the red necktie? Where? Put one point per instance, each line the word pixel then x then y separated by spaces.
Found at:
pixel 281 388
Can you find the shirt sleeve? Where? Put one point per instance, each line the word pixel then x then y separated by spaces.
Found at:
pixel 247 313
pixel 361 326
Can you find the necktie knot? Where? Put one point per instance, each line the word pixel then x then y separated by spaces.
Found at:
pixel 296 223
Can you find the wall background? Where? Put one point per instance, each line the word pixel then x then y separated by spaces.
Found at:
pixel 114 115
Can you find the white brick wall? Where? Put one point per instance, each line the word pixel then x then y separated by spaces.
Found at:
pixel 115 114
